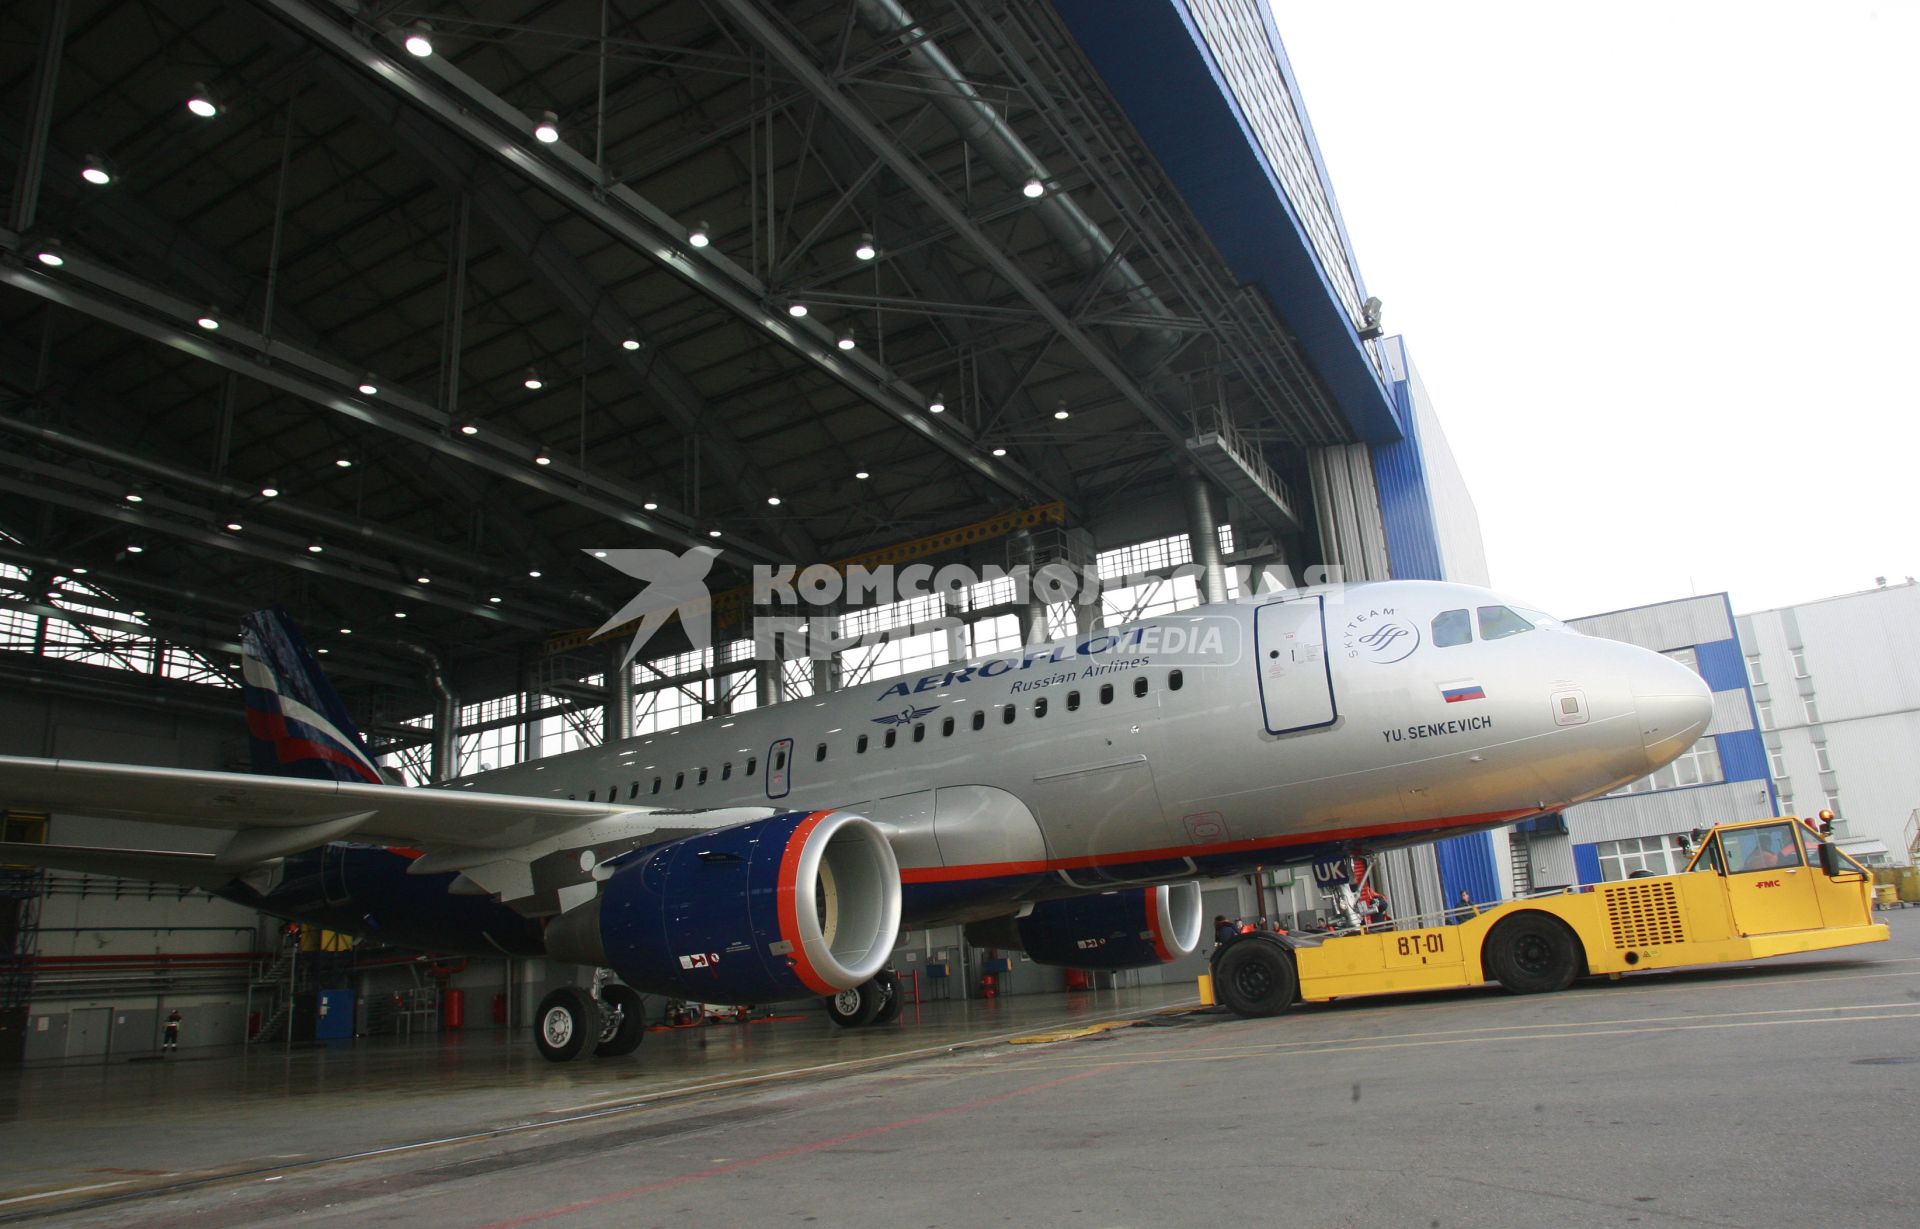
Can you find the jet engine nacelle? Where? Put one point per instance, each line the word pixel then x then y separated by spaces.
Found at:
pixel 782 908
pixel 1130 928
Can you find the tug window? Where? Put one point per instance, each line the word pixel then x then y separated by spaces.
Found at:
pixel 1451 627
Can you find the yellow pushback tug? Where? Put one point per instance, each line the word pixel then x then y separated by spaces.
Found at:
pixel 1763 887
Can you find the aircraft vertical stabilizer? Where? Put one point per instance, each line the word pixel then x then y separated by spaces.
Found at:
pixel 295 720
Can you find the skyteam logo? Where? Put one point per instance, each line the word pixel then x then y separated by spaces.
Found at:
pixel 1381 636
pixel 675 584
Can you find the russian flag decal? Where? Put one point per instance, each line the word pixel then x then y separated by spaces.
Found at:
pixel 1462 691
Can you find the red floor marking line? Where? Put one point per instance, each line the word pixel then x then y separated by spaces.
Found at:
pixel 716 1171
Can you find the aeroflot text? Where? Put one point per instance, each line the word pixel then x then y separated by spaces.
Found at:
pixel 1200 642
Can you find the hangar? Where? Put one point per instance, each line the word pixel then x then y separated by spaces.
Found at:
pixel 398 315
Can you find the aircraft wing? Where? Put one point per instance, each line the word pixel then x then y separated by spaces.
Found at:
pixel 280 815
pixel 196 870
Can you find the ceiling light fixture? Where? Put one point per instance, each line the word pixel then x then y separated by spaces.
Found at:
pixel 134 497
pixel 95 171
pixel 269 491
pixel 134 550
pixel 866 250
pixel 713 533
pixel 773 499
pixel 423 579
pixel 493 601
pixel 630 344
pixel 796 310
pixel 49 255
pixel 846 341
pixel 1033 189
pixel 535 573
pixel 999 452
pixel 1060 411
pixel 344 463
pixel 699 236
pixel 201 102
pixel 346 631
pixel 399 614
pixel 541 458
pixel 938 405
pixel 208 322
pixel 467 428
pixel 367 387
pixel 533 381
pixel 419 39
pixel 547 131
pixel 861 474
pixel 651 505
pixel 234 526
pixel 315 548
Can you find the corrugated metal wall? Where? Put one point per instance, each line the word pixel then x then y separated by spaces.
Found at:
pixel 1669 625
pixel 1347 505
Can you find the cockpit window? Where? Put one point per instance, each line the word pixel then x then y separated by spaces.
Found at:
pixel 1452 627
pixel 1497 622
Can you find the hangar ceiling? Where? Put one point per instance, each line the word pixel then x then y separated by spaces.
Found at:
pixel 966 217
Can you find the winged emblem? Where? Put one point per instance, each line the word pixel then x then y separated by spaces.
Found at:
pixel 906 716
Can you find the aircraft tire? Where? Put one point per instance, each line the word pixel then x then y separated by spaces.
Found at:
pixel 1531 953
pixel 889 985
pixel 568 1018
pixel 855 1007
pixel 624 1033
pixel 1255 977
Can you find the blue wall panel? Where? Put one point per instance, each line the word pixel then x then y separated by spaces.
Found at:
pixel 1157 66
pixel 1722 665
pixel 1406 503
pixel 1466 864
pixel 1586 863
pixel 1743 756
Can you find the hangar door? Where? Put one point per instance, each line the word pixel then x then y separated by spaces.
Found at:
pixel 1296 680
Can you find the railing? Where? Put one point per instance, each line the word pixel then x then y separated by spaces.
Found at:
pixel 1214 420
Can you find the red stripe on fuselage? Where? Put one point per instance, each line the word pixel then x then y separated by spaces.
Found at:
pixel 995 870
pixel 789 905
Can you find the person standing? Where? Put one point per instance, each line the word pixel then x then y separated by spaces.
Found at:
pixel 170 1038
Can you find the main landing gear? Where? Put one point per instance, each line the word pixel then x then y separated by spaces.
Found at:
pixel 876 1001
pixel 611 1017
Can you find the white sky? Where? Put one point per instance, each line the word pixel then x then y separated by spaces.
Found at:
pixel 1658 267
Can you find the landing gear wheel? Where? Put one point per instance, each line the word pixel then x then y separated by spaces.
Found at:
pixel 567 1019
pixel 1531 953
pixel 1256 978
pixel 855 1007
pixel 889 983
pixel 624 1023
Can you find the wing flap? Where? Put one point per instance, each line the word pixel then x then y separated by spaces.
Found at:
pixel 234 802
pixel 195 870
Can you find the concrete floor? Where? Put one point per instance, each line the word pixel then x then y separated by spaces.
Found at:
pixel 1772 1094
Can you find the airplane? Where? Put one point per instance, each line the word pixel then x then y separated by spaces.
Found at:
pixel 1062 799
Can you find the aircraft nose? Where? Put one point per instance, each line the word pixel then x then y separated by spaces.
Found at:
pixel 1675 707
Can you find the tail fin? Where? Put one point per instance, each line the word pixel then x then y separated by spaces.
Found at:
pixel 296 722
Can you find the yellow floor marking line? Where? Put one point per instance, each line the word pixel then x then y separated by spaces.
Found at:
pixel 1068 1034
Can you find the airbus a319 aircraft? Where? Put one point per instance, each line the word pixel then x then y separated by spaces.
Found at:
pixel 1061 800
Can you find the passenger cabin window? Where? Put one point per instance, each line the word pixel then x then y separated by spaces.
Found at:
pixel 1040 707
pixel 1498 622
pixel 613 791
pixel 679 779
pixel 946 727
pixel 1140 686
pixel 860 745
pixel 753 762
pixel 1175 680
pixel 726 771
pixel 919 731
pixel 1006 715
pixel 703 777
pixel 979 718
pixel 1073 701
pixel 1106 693
pixel 589 795
pixel 1451 627
pixel 820 753
pixel 633 791
pixel 656 785
pixel 893 736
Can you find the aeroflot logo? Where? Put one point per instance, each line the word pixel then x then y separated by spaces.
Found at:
pixel 1381 636
pixel 1199 640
